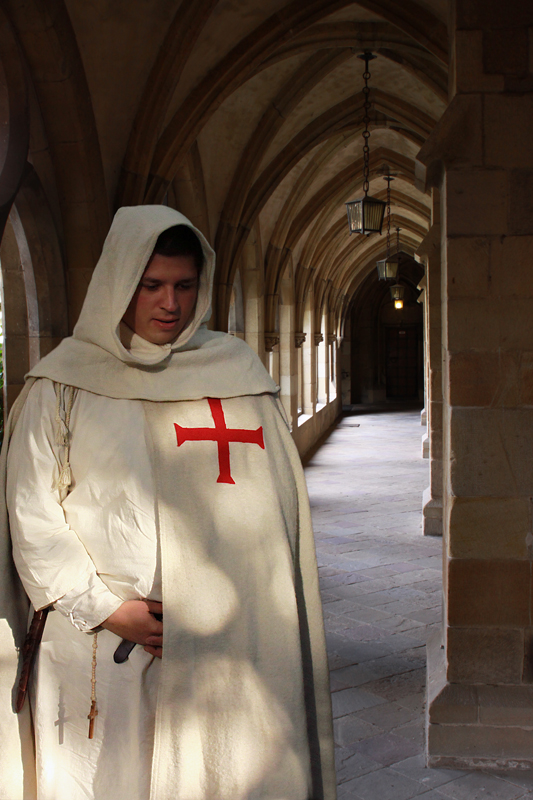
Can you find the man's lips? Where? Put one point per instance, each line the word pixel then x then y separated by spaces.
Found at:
pixel 165 323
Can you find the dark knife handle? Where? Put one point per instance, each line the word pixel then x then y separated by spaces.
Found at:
pixel 122 653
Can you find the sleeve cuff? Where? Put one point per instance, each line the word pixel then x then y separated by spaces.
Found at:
pixel 88 604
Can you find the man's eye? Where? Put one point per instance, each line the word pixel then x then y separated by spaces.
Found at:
pixel 150 286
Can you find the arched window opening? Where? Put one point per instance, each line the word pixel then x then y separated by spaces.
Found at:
pixel 307 375
pixel 300 367
pixel 322 361
pixel 332 341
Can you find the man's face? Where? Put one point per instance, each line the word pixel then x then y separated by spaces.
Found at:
pixel 165 299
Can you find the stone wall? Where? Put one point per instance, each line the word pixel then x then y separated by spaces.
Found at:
pixel 480 689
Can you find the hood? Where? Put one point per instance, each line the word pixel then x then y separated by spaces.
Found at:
pixel 105 357
pixel 127 249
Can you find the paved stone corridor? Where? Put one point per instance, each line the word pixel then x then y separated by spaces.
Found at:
pixel 381 589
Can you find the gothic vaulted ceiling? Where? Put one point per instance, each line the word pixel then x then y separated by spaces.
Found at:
pixel 248 114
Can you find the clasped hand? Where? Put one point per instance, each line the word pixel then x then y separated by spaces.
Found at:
pixel 134 620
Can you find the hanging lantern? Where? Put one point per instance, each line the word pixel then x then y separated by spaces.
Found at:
pixel 388 267
pixel 397 293
pixel 366 214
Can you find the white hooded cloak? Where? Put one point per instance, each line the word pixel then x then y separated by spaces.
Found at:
pixel 185 487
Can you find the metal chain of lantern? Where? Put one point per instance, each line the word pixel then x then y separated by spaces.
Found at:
pixel 397 291
pixel 366 214
pixel 387 267
pixel 366 119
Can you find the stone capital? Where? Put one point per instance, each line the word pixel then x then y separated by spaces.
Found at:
pixel 271 340
pixel 319 338
pixel 299 338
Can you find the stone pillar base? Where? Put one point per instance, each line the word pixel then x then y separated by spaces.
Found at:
pixel 431 514
pixel 425 446
pixel 424 417
pixel 475 726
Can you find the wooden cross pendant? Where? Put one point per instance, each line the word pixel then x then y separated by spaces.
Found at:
pixel 91 716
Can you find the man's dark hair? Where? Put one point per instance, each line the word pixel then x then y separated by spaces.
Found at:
pixel 180 240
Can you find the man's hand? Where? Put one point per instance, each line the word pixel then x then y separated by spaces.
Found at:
pixel 134 620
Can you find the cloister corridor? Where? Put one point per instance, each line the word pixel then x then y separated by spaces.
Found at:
pixel 381 590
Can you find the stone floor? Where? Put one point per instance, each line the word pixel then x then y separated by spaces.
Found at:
pixel 381 584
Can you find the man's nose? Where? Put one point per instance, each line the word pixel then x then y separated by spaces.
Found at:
pixel 170 301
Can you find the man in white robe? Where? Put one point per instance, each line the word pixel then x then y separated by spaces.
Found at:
pixel 150 464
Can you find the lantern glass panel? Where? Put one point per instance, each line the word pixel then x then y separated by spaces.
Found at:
pixel 365 215
pixel 353 210
pixel 373 213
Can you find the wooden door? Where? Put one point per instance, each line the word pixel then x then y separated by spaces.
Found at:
pixel 402 363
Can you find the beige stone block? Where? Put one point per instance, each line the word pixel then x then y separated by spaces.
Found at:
pixel 489 527
pixel 484 655
pixel 479 746
pixel 511 259
pixel 507 130
pixel 455 704
pixel 484 379
pixel 474 324
pixel 435 413
pixel 488 592
pixel 490 452
pixel 476 202
pixel 436 449
pixel 468 267
pixel 435 382
pixel 506 705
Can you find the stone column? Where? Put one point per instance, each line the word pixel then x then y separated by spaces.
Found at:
pixel 322 369
pixel 309 358
pixel 288 363
pixel 253 299
pixel 480 669
pixel 430 250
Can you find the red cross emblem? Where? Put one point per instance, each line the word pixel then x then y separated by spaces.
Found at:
pixel 222 435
